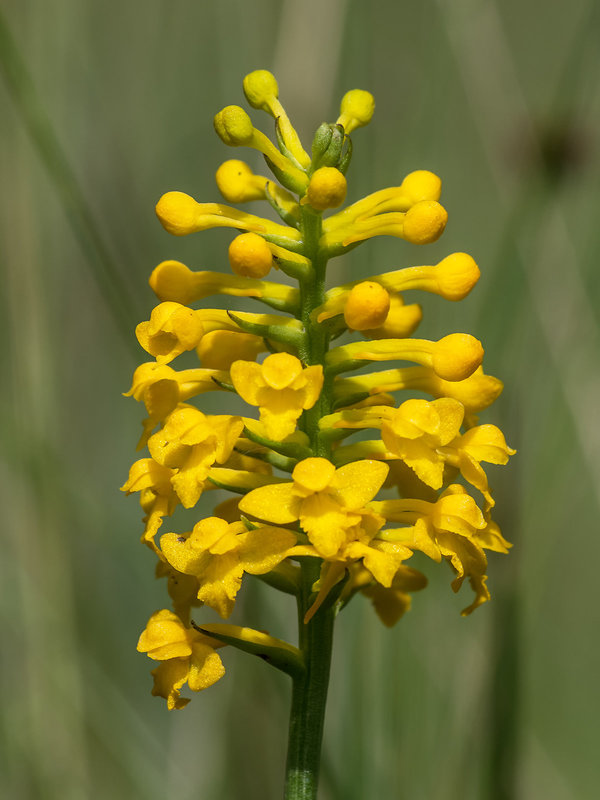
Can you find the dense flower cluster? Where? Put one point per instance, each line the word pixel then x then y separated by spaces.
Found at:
pixel 301 489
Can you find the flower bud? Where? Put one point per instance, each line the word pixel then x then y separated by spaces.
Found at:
pixel 327 145
pixel 327 189
pixel 367 306
pixel 457 356
pixel 238 184
pixel 424 222
pixel 356 109
pixel 250 256
pixel 233 126
pixel 456 275
pixel 260 87
pixel 178 213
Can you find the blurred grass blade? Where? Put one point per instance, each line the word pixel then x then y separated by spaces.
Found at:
pixel 66 185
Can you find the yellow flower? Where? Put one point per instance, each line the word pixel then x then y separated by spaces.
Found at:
pixel 416 430
pixel 190 443
pixel 280 387
pixel 186 656
pixel 162 388
pixel 448 528
pixel 426 436
pixel 218 553
pixel 328 502
pixel 157 496
pixel 171 330
pixel 481 443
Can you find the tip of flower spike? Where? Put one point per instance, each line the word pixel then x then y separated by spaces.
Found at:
pixel 327 189
pixel 177 212
pixel 456 275
pixel 238 184
pixel 250 256
pixel 356 109
pixel 367 306
pixel 424 222
pixel 457 356
pixel 260 87
pixel 233 126
pixel 421 185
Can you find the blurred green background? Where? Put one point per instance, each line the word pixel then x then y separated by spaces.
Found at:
pixel 108 105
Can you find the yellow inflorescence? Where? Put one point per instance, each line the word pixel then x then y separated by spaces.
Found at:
pixel 301 490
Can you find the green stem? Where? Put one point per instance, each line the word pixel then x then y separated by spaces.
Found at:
pixel 309 693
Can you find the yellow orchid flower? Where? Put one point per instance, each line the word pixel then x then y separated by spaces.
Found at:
pixel 280 387
pixel 448 528
pixel 186 656
pixel 171 330
pixel 190 442
pixel 162 388
pixel 416 430
pixel 326 501
pixel 218 554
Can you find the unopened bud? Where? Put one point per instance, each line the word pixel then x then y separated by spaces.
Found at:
pixel 233 126
pixel 327 189
pixel 424 222
pixel 457 356
pixel 250 256
pixel 260 87
pixel 367 306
